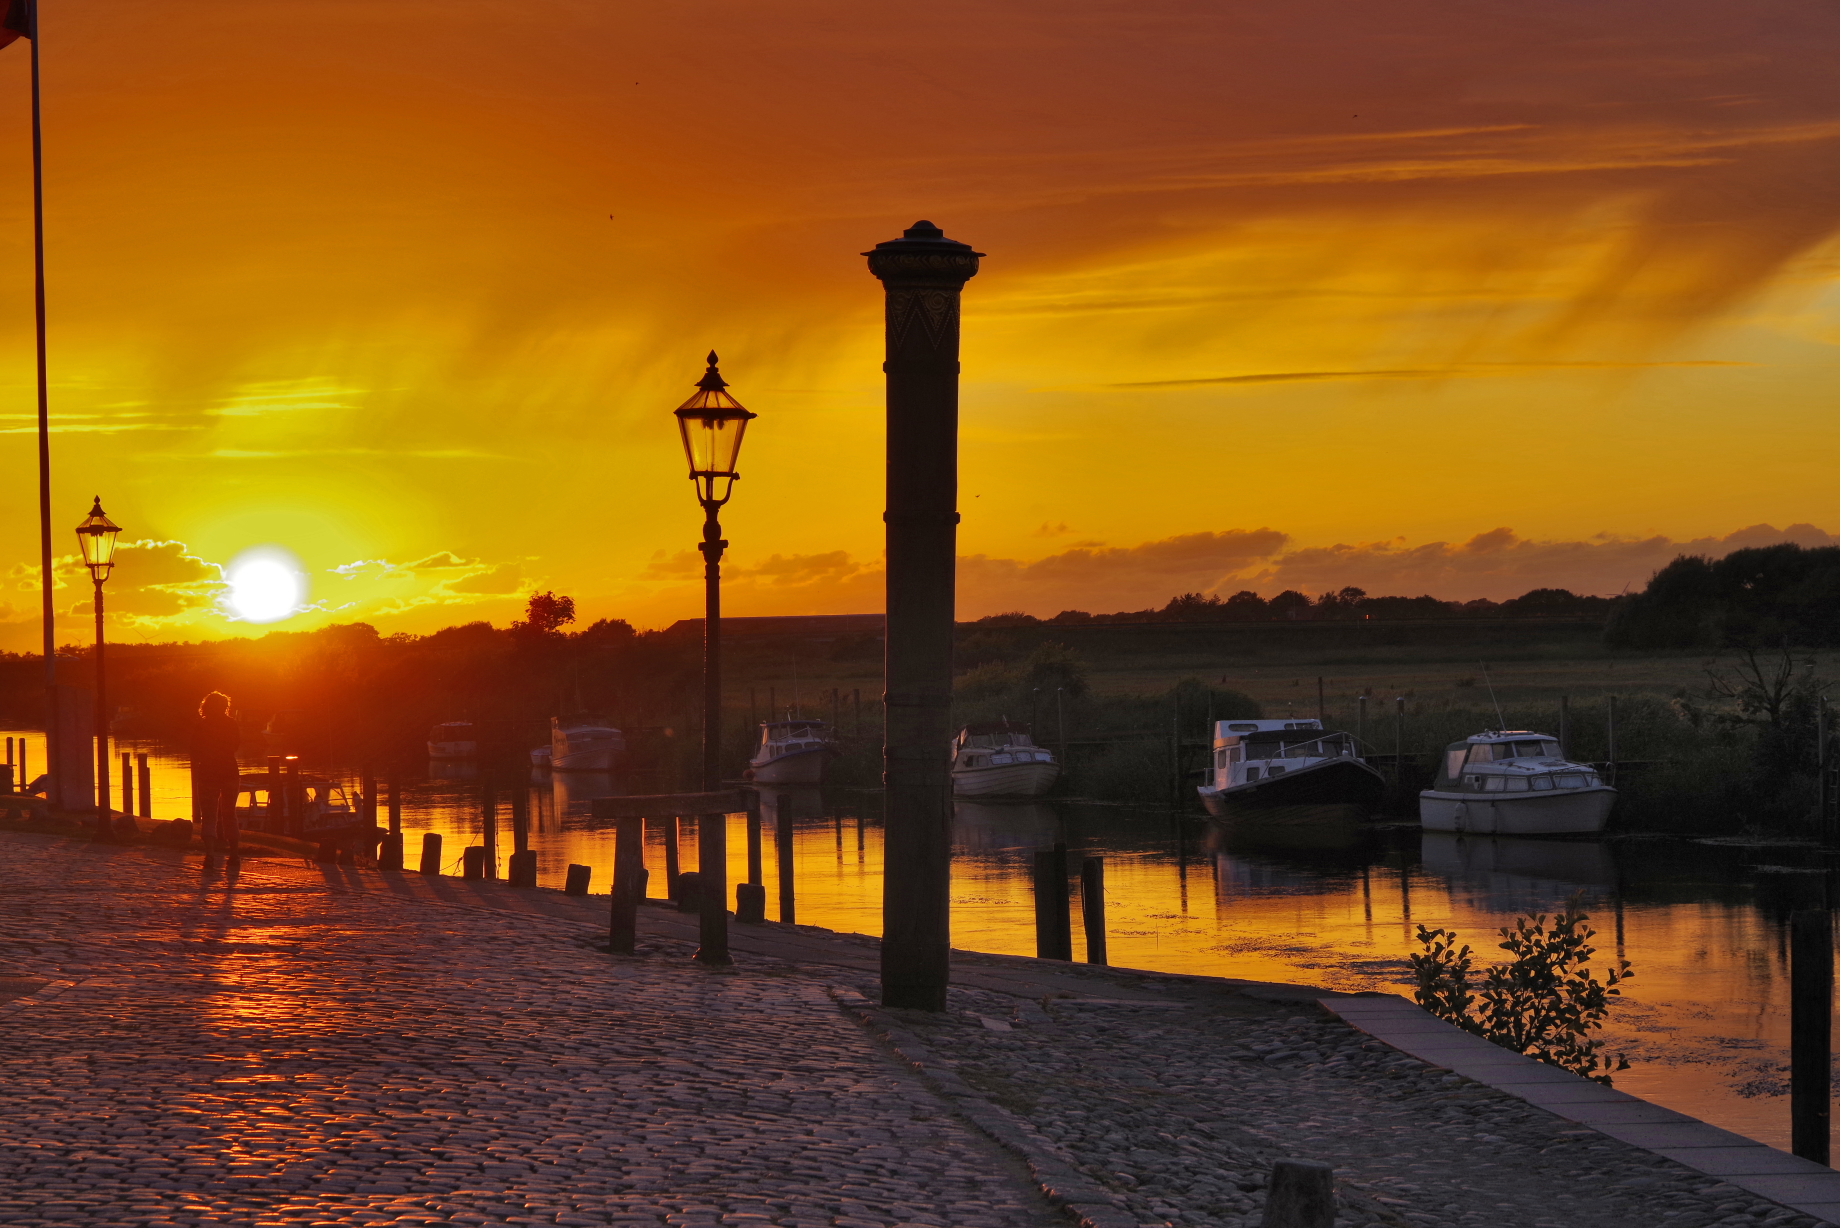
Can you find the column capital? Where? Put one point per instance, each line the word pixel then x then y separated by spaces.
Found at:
pixel 923 258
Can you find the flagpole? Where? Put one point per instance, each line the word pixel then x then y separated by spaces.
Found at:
pixel 48 613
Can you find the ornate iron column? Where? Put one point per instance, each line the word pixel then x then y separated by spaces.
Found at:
pixel 922 273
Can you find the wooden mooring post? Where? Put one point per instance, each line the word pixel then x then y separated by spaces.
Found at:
pixel 143 794
pixel 395 806
pixel 1811 1013
pixel 671 868
pixel 127 782
pixel 782 849
pixel 1092 907
pixel 629 814
pixel 1300 1194
pixel 431 853
pixel 577 881
pixel 488 829
pixel 1053 925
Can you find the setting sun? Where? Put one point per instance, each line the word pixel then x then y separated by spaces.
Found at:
pixel 265 586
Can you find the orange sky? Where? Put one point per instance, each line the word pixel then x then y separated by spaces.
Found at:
pixel 1298 293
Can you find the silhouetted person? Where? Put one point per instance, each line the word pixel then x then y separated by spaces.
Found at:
pixel 215 772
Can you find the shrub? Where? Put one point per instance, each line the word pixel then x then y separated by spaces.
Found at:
pixel 1544 1002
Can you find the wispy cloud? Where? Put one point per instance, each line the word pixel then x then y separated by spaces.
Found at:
pixel 1455 371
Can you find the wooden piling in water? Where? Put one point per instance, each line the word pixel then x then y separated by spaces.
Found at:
pixel 473 862
pixel 753 847
pixel 431 853
pixel 671 867
pixel 488 829
pixel 127 782
pixel 1053 926
pixel 520 819
pixel 143 794
pixel 782 848
pixel 1092 907
pixel 1811 1012
pixel 395 806
pixel 1299 1194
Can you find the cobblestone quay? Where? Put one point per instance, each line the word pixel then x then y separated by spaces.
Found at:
pixel 318 1046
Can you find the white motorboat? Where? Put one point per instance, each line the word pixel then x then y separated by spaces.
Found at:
pixel 1000 759
pixel 584 743
pixel 1286 763
pixel 1514 783
pixel 453 740
pixel 792 753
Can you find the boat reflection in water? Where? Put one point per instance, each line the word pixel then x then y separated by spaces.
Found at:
pixel 979 826
pixel 1518 873
pixel 453 769
pixel 790 801
pixel 571 792
pixel 1325 837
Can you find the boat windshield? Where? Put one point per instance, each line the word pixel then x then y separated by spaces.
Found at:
pixel 1530 748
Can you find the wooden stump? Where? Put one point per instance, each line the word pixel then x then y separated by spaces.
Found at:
pixel 1301 1194
pixel 577 881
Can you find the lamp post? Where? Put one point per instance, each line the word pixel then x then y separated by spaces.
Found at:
pixel 922 273
pixel 712 424
pixel 97 536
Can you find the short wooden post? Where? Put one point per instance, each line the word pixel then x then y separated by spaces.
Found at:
pixel 782 848
pixel 390 851
pixel 1811 1010
pixel 1300 1194
pixel 431 853
pixel 395 805
pixel 143 795
pixel 1092 907
pixel 127 782
pixel 712 873
pixel 629 860
pixel 690 892
pixel 577 881
pixel 473 862
pixel 522 868
pixel 1053 925
pixel 750 902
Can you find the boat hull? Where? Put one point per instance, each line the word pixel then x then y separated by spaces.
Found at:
pixel 1566 812
pixel 1333 782
pixel 805 767
pixel 1005 780
pixel 593 759
pixel 452 750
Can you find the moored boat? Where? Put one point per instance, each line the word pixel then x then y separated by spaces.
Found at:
pixel 1000 759
pixel 584 742
pixel 453 740
pixel 792 752
pixel 1514 783
pixel 304 807
pixel 1287 763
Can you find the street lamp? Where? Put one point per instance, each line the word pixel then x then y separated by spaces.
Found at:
pixel 712 424
pixel 97 536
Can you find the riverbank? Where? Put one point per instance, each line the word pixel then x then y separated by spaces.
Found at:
pixel 316 1044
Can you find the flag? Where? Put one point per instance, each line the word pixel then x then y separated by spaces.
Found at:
pixel 18 21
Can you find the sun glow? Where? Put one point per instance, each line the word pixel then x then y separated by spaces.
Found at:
pixel 266 585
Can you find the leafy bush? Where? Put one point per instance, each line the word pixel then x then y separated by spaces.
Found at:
pixel 1544 1002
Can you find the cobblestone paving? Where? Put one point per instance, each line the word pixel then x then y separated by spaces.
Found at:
pixel 276 1053
pixel 1179 1109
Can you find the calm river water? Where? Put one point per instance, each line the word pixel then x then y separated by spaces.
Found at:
pixel 1704 1020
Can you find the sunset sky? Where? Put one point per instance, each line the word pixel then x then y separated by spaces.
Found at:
pixel 1410 295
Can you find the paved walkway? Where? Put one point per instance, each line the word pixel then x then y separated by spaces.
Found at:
pixel 276 1053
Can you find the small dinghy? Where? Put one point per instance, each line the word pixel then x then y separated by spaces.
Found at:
pixel 1000 759
pixel 1514 783
pixel 1291 763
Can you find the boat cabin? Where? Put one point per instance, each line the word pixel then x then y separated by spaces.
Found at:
pixel 1248 751
pixel 793 737
pixel 1510 761
pixel 996 744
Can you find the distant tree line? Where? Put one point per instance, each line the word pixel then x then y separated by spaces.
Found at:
pixel 1763 596
pixel 1346 604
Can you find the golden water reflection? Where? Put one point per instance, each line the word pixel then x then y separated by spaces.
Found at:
pixel 1310 900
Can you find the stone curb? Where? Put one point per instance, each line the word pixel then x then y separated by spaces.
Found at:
pixel 35 997
pixel 1063 1185
pixel 1766 1172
